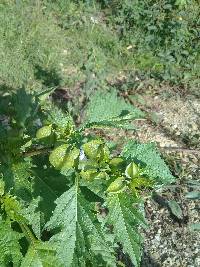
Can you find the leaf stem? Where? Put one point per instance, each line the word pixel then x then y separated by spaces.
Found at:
pixel 27 232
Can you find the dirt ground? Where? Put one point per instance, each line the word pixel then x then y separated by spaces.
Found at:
pixel 169 241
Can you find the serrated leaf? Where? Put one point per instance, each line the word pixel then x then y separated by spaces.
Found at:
pixel 57 117
pixel 175 209
pixel 22 182
pixel 125 219
pixel 150 160
pixel 107 109
pixel 33 216
pixel 23 104
pixel 65 217
pixel 48 185
pixel 17 179
pixel 41 254
pixel 97 187
pixel 9 245
pixel 79 240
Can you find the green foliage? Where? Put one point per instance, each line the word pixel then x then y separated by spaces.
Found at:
pixel 125 218
pixel 162 36
pixel 147 156
pixel 30 46
pixel 41 254
pixel 111 111
pixel 33 216
pixel 175 209
pixel 70 201
pixel 9 245
pixel 74 218
pixel 64 43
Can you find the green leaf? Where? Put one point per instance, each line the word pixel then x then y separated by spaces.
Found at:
pixel 33 216
pixel 125 219
pixel 175 209
pixel 22 179
pixel 132 170
pixel 41 254
pixel 107 109
pixel 49 184
pixel 97 187
pixel 45 190
pixel 150 161
pixel 96 150
pixel 193 195
pixel 63 121
pixel 17 178
pixel 194 184
pixel 23 104
pixel 194 227
pixel 9 246
pixel 78 240
pixel 65 217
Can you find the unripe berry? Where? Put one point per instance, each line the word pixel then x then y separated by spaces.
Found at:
pixel 132 170
pixel 116 186
pixel 64 158
pixel 44 132
pixel 96 150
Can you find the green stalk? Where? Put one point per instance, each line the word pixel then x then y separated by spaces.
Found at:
pixel 27 232
pixel 37 152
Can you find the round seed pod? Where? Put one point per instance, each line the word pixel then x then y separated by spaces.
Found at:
pixel 96 150
pixel 116 186
pixel 132 170
pixel 44 132
pixel 64 158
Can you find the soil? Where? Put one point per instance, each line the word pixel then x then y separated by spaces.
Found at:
pixel 169 241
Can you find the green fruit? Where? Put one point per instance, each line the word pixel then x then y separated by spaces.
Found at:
pixel 57 156
pixel 44 132
pixel 117 164
pixel 71 159
pixel 96 150
pixel 102 175
pixel 89 175
pixel 12 207
pixel 64 158
pixel 116 186
pixel 132 170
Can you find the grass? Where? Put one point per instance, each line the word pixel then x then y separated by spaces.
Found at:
pixel 62 43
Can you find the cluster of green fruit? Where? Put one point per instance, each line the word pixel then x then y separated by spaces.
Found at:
pixel 48 134
pixel 93 161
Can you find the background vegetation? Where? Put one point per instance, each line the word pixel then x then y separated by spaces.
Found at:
pixel 62 43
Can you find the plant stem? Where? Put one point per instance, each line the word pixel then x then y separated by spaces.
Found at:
pixel 27 232
pixel 37 152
